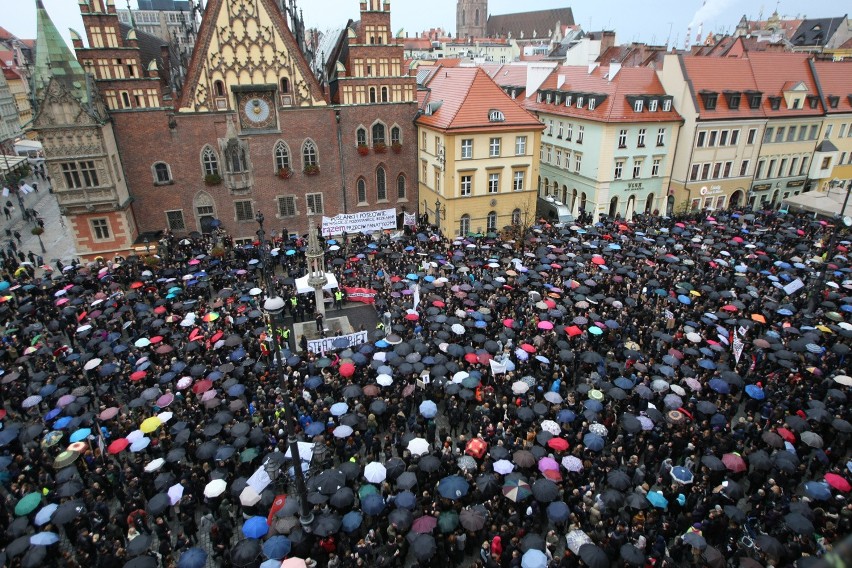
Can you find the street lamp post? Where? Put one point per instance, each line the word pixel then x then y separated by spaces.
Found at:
pixel 847 221
pixel 274 307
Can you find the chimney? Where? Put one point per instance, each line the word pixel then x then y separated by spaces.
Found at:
pixel 688 35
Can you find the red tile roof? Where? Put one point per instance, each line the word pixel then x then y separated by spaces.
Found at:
pixel 835 78
pixel 6 35
pixel 507 75
pixel 616 107
pixel 775 72
pixel 467 94
pixel 10 74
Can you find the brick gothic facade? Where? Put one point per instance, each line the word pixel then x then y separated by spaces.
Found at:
pixel 252 128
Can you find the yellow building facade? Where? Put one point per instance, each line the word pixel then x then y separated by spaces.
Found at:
pixel 478 155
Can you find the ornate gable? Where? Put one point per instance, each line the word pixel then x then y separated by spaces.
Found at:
pixel 60 108
pixel 244 43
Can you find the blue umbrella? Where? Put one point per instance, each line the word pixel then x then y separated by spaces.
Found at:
pixel 80 435
pixel 193 558
pixel 277 547
pixel 314 429
pixel 238 355
pixel 558 511
pixel 453 487
pixel 46 391
pixel 755 392
pixel 373 504
pixel 682 475
pixel 53 413
pixel 657 500
pixel 684 299
pixel 593 442
pixel 534 558
pixel 236 390
pixel 406 500
pixel 313 382
pixel 255 527
pixel 566 416
pixel 339 409
pixel 351 521
pixel 593 405
pixel 62 423
pixel 623 383
pixel 45 513
pixel 428 409
pixel 707 364
pixel 44 539
pixel 819 490
pixel 719 386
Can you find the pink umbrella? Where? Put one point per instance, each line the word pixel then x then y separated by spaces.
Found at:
pixel 109 413
pixel 544 324
pixel 547 463
pixel 509 322
pixel 165 400
pixel 734 462
pixel 424 524
pixel 208 395
pixel 65 400
pixel 184 383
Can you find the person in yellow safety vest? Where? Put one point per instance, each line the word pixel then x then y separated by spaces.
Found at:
pixel 294 301
pixel 285 336
pixel 380 325
pixel 338 299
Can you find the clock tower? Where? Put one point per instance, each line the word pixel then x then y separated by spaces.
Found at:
pixel 471 18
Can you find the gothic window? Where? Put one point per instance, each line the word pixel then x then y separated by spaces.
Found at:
pixel 372 94
pixel 396 136
pixel 235 156
pixel 362 191
pixel 476 17
pixel 219 87
pixel 162 175
pixel 381 184
pixel 384 94
pixel 400 187
pixel 310 157
pixel 361 136
pixel 209 161
pixel 282 156
pixel 285 85
pixel 378 133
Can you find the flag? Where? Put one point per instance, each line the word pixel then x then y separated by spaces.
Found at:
pixel 496 367
pixel 409 219
pixel 737 345
pixel 416 296
pixel 277 505
pixel 259 480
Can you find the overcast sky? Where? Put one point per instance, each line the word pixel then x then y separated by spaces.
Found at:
pixel 653 22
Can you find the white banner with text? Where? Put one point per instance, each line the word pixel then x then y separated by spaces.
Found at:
pixel 363 221
pixel 343 341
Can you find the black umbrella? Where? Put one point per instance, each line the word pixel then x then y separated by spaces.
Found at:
pixel 594 556
pixel 140 544
pixel 798 523
pixel 68 511
pixel 326 524
pixel 423 547
pixel 158 503
pixel 402 518
pixel 246 552
pixel 632 555
pixel 545 490
pixel 532 541
pixel 618 479
pixel 407 480
pixel 770 545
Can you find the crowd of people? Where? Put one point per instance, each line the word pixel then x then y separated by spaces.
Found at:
pixel 660 392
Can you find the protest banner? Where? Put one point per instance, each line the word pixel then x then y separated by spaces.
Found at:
pixel 326 343
pixel 363 295
pixel 363 221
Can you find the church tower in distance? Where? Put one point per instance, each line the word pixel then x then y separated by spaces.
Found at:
pixel 471 18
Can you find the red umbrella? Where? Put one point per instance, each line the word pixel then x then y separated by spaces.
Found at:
pixel 138 376
pixel 734 462
pixel 347 370
pixel 412 316
pixel 476 448
pixel 528 348
pixel 160 310
pixel 509 322
pixel 216 337
pixel 838 482
pixel 438 304
pixel 118 446
pixel 729 308
pixel 553 475
pixel 573 331
pixel 471 358
pixel 483 357
pixel 202 386
pixel 136 285
pixel 558 444
pixel 787 435
pixel 599 260
pixel 156 339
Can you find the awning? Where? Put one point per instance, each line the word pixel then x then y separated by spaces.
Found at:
pixel 303 288
pixel 826 204
pixel 10 163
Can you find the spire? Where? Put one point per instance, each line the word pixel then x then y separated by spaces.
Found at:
pixel 54 59
pixel 130 13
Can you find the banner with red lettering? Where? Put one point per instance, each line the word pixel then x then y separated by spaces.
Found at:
pixel 364 295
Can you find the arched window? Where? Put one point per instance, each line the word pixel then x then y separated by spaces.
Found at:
pixel 381 184
pixel 464 225
pixel 463 18
pixel 285 85
pixel 209 161
pixel 235 156
pixel 282 156
pixel 384 94
pixel 396 135
pixel 361 136
pixel 583 201
pixel 516 217
pixel 378 133
pixel 491 222
pixel 400 187
pixel 649 204
pixel 219 87
pixel 362 191
pixel 613 206
pixel 309 154
pixel 546 187
pixel 476 17
pixel 162 174
pixel 372 94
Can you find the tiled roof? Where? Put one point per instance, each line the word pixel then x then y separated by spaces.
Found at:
pixel 774 72
pixel 10 74
pixel 616 107
pixel 508 75
pixel 835 79
pixel 526 24
pixel 816 31
pixel 6 35
pixel 417 43
pixel 467 94
pixel 149 45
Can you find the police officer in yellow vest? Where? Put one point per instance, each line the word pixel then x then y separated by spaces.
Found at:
pixel 338 299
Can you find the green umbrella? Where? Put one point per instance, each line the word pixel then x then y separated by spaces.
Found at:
pixel 248 455
pixel 323 362
pixel 367 490
pixel 448 521
pixel 65 459
pixel 28 504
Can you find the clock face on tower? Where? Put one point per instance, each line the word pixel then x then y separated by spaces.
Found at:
pixel 257 111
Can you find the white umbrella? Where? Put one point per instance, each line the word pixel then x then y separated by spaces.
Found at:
pixel 457 328
pixel 693 337
pixel 342 431
pixel 249 497
pixel 460 376
pixel 659 385
pixel 215 488
pixel 678 390
pixel 844 380
pixel 175 493
pixel 520 387
pixel 418 446
pixel 165 416
pixel 384 380
pixel 92 363
pixel 154 465
pixel 575 539
pixel 572 463
pixel 255 292
pixel 503 467
pixel 375 472
pixel 552 427
pixel 598 429
pixel 135 435
pixel 553 397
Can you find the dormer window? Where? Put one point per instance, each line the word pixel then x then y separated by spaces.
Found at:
pixel 638 105
pixel 667 105
pixel 813 101
pixel 548 98
pixel 652 105
pixel 540 97
pixel 591 103
pixel 579 102
pixel 774 103
pixel 709 98
pixel 754 100
pixel 833 101
pixel 568 99
pixel 733 99
pixel 796 103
